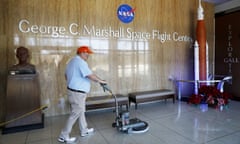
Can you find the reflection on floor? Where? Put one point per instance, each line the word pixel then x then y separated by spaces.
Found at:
pixel 170 123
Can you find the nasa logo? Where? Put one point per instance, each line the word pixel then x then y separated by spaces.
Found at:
pixel 125 13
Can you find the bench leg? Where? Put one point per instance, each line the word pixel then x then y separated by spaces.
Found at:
pixel 121 107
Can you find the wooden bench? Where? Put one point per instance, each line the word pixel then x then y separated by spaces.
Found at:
pixel 99 102
pixel 152 95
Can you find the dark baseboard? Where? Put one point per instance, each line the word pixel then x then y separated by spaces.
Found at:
pixel 185 99
pixel 236 98
pixel 24 128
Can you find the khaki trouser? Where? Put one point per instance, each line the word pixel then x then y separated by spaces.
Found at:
pixel 78 108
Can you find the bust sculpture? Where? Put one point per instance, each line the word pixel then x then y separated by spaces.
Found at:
pixel 23 66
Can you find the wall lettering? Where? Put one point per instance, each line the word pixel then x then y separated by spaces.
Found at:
pixel 230 59
pixel 74 29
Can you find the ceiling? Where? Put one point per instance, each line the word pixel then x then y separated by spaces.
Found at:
pixel 217 2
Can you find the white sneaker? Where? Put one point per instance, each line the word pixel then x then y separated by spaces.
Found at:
pixel 89 131
pixel 67 140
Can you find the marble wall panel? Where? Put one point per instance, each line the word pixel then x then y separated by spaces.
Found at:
pixel 127 63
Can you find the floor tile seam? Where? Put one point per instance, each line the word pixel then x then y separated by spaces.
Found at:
pixel 184 111
pixel 219 121
pixel 161 117
pixel 103 129
pixel 26 138
pixel 123 133
pixel 96 125
pixel 220 137
pixel 168 115
pixel 191 139
pixel 217 138
pixel 156 120
pixel 232 133
pixel 176 132
pixel 39 140
pixel 105 139
pixel 46 136
pixel 186 137
pixel 51 131
pixel 165 142
pixel 232 124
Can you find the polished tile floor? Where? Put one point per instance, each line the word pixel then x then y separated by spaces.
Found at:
pixel 170 123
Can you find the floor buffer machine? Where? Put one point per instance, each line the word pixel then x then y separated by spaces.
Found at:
pixel 122 121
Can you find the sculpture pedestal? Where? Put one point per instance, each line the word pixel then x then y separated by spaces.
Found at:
pixel 23 103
